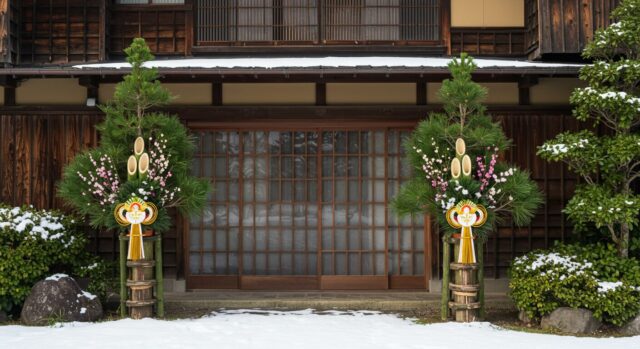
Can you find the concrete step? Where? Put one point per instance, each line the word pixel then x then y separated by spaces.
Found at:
pixel 387 301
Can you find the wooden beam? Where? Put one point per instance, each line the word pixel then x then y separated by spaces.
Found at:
pixel 216 94
pixel 9 96
pixel 445 24
pixel 102 31
pixel 524 90
pixel 321 93
pixel 421 93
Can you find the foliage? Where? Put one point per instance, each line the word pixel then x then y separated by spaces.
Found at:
pixel 504 190
pixel 95 181
pixel 591 277
pixel 35 244
pixel 609 164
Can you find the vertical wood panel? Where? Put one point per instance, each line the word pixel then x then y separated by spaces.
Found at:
pixel 566 26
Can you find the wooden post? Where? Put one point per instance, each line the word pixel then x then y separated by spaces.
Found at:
pixel 145 276
pixel 480 251
pixel 123 276
pixel 465 292
pixel 159 277
pixel 141 303
pixel 445 277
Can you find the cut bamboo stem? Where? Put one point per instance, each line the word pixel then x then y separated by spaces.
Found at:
pixel 132 168
pixel 143 166
pixel 138 146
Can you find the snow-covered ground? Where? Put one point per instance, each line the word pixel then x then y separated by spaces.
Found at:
pixel 299 329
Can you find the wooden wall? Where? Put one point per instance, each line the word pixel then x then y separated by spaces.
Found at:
pixel 36 145
pixel 564 26
pixel 507 42
pixel 61 31
pixel 34 149
pixel 166 28
pixel 8 32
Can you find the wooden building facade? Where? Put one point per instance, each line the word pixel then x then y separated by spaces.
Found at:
pixel 304 159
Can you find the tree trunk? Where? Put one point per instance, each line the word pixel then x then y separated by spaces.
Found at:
pixel 623 245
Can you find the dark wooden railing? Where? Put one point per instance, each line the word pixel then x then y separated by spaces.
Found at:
pixel 317 22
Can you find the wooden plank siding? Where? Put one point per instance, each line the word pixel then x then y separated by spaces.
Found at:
pixel 61 31
pixel 9 16
pixel 33 152
pixel 37 145
pixel 564 26
pixel 168 29
pixel 505 42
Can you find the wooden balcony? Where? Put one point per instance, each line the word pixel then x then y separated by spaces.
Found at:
pixel 244 25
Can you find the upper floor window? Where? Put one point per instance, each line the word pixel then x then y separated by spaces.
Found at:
pixel 317 21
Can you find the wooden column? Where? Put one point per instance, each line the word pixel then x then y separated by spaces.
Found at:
pixel 445 24
pixel 9 85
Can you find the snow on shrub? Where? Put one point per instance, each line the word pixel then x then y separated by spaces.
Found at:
pixel 580 277
pixel 33 244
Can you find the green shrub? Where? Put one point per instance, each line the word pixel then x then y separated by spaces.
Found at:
pixel 592 277
pixel 35 244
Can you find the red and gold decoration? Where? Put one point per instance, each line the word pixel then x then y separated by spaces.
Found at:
pixel 465 215
pixel 135 212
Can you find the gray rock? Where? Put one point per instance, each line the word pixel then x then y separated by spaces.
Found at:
pixel 524 318
pixel 569 320
pixel 632 328
pixel 59 300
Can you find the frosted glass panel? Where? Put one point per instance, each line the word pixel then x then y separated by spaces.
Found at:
pixel 294 196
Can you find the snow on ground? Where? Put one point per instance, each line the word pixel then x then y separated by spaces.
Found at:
pixel 298 329
pixel 331 62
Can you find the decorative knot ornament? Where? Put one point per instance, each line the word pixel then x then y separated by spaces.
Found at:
pixel 466 214
pixel 135 212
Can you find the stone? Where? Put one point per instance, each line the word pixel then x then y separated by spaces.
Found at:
pixel 570 320
pixel 524 318
pixel 632 328
pixel 59 298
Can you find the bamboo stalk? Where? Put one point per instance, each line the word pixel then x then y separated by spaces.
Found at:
pixel 466 166
pixel 143 166
pixel 159 277
pixel 445 279
pixel 480 250
pixel 461 147
pixel 138 146
pixel 123 276
pixel 132 168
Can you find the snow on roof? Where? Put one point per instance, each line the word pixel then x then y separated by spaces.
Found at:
pixel 328 62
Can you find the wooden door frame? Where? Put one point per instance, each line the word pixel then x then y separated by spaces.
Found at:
pixel 306 282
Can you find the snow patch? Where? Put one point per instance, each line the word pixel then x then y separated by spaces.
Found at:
pixel 87 295
pixel 41 224
pixel 329 62
pixel 56 277
pixel 606 286
pixel 83 310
